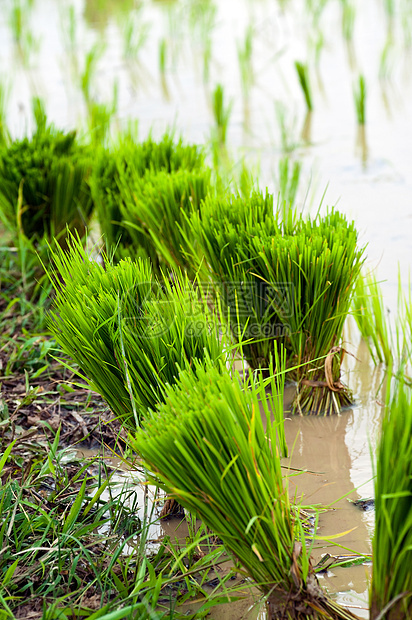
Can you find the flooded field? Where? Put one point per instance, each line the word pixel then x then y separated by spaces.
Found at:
pixel 158 62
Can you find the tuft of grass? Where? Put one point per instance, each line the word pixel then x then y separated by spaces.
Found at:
pixel 303 75
pixel 158 207
pixel 207 446
pixel 76 542
pixel 389 342
pixel 359 95
pixel 44 193
pixel 391 591
pixel 129 335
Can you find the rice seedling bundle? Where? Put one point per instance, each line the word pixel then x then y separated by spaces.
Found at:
pixel 207 447
pixel 44 183
pixel 391 592
pixel 157 207
pixel 290 283
pixel 224 229
pixel 118 171
pixel 128 334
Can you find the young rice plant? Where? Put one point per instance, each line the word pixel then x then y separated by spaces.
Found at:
pixel 207 446
pixel 129 335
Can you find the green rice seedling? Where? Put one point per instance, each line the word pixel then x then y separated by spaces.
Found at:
pixel 404 323
pixel 72 30
pixel 90 65
pixel 287 128
pixel 224 229
pixel 303 75
pixel 162 56
pixel 246 179
pixel 207 446
pixel 100 116
pixel 221 113
pixel 348 19
pixel 158 206
pixel 371 319
pixel 245 54
pixel 207 57
pixel 135 33
pixel 99 120
pixel 289 282
pixel 128 334
pixel 320 262
pixel 44 183
pixel 22 33
pixel 391 590
pixel 359 95
pixel 121 172
pixel 16 20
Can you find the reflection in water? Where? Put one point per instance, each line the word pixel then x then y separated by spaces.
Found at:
pixel 362 146
pixel 306 133
pixel 318 444
pixel 98 12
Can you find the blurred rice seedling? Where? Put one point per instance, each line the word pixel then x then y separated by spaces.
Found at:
pixel 371 318
pixel 303 75
pixel 221 114
pixel 89 70
pixel 388 339
pixel 135 33
pixel 44 187
pixel 359 95
pixel 4 133
pixel 245 56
